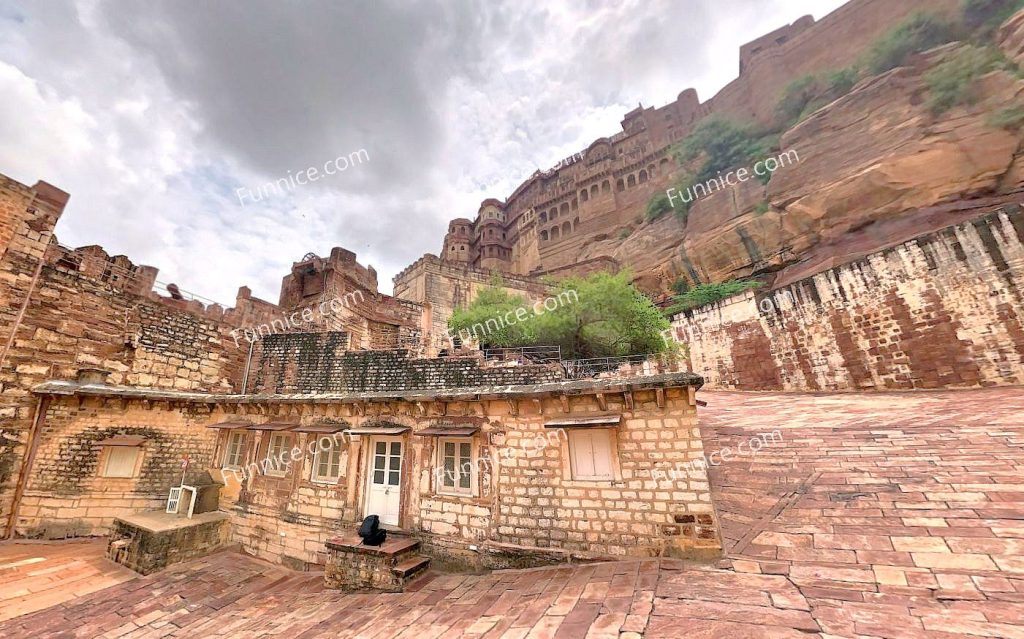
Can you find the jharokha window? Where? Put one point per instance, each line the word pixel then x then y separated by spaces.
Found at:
pixel 327 461
pixel 233 451
pixel 455 459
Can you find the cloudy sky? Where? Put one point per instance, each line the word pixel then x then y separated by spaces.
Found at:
pixel 154 114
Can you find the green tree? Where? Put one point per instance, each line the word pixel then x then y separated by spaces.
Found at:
pixel 485 319
pixel 602 315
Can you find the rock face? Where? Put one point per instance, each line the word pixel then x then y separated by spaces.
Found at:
pixel 1011 38
pixel 876 167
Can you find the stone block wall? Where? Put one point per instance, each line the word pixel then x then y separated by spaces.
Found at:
pixel 66 496
pixel 943 310
pixel 443 287
pixel 318 363
pixel 147 551
pixel 539 505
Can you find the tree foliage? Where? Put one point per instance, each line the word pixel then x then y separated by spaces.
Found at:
pixel 721 143
pixel 707 293
pixel 602 315
pixel 489 310
pixel 952 81
pixel 918 33
pixel 983 17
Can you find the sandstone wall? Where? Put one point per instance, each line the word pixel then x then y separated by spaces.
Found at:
pixel 66 496
pixel 59 319
pixel 442 287
pixel 524 504
pixel 943 310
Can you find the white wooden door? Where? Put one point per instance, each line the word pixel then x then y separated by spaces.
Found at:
pixel 383 490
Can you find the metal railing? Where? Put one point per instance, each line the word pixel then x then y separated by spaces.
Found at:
pixel 530 354
pixel 594 366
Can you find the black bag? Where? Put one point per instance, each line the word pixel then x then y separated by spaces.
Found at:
pixel 371 532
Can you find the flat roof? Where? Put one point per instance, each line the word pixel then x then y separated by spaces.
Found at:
pixel 568 387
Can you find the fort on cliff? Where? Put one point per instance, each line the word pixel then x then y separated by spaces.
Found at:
pixel 893 255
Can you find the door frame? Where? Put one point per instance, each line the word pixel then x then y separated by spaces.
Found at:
pixel 368 469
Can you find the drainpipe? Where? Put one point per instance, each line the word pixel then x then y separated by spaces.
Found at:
pixel 26 467
pixel 248 361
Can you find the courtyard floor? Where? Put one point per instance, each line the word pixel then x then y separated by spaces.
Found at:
pixel 883 515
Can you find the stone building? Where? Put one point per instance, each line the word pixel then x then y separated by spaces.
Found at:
pixel 486 466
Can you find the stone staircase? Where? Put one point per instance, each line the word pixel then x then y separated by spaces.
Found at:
pixel 390 567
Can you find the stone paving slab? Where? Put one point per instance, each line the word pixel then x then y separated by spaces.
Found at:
pixel 884 515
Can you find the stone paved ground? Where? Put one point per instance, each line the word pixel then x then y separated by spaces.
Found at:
pixel 888 515
pixel 36 575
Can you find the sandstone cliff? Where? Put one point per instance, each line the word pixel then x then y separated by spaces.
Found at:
pixel 876 168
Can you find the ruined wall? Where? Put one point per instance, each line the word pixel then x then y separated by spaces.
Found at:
pixel 78 316
pixel 318 363
pixel 66 496
pixel 943 310
pixel 442 287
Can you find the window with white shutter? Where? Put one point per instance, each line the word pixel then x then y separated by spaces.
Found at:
pixel 590 451
pixel 327 460
pixel 456 470
pixel 233 452
pixel 277 455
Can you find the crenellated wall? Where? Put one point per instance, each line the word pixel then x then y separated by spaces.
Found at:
pixel 943 310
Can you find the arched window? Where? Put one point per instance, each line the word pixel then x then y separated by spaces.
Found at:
pixel 543 236
pixel 593 190
pixel 566 228
pixel 543 217
pixel 553 214
pixel 631 181
pixel 643 176
pixel 575 223
pixel 564 208
pixel 650 170
pixel 620 185
pixel 584 196
pixel 575 204
pixel 554 233
pixel 606 187
pixel 663 164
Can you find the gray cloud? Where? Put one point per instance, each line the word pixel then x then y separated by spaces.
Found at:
pixel 152 114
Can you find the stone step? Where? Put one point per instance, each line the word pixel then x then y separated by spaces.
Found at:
pixel 395 546
pixel 411 567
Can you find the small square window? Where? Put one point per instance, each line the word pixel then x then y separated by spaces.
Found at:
pixel 590 452
pixel 120 461
pixel 456 470
pixel 327 461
